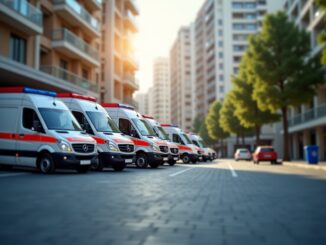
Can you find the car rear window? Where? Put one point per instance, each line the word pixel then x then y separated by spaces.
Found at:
pixel 244 151
pixel 267 150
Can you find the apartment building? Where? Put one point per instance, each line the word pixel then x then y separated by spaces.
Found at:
pixel 142 102
pixel 222 28
pixel 51 45
pixel 181 78
pixel 307 123
pixel 161 90
pixel 118 62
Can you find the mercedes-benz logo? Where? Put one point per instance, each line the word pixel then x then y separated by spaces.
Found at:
pixel 129 148
pixel 85 148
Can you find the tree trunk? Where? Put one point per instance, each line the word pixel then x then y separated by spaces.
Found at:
pixel 257 131
pixel 286 156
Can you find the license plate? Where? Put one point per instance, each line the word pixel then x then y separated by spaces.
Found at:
pixel 268 156
pixel 175 158
pixel 200 158
pixel 85 162
pixel 128 161
pixel 165 159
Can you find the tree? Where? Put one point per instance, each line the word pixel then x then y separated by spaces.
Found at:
pixel 196 124
pixel 286 75
pixel 246 108
pixel 228 120
pixel 203 132
pixel 322 36
pixel 215 131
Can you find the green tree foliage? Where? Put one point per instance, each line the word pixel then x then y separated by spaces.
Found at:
pixel 322 36
pixel 196 124
pixel 228 120
pixel 203 132
pixel 215 131
pixel 285 75
pixel 246 108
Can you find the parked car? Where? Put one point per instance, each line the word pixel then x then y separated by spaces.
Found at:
pixel 265 154
pixel 242 154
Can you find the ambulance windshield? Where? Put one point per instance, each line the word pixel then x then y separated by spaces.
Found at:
pixel 143 127
pixel 102 122
pixel 161 133
pixel 57 119
pixel 186 138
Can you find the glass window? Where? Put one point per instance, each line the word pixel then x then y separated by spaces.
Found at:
pixel 18 49
pixel 82 120
pixel 186 138
pixel 143 127
pixel 57 119
pixel 29 116
pixel 177 139
pixel 195 143
pixel 161 133
pixel 102 122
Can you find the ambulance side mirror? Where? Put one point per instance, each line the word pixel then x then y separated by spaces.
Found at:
pixel 37 127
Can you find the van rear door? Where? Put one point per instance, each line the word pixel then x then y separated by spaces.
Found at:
pixel 8 129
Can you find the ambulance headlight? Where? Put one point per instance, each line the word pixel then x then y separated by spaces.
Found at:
pixel 64 146
pixel 155 147
pixel 113 147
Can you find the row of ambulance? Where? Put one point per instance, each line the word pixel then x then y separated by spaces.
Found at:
pixel 49 130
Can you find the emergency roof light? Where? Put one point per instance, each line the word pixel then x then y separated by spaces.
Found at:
pixel 27 90
pixel 76 96
pixel 148 117
pixel 118 105
pixel 169 125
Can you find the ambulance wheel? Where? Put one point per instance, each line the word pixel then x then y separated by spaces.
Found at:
pixel 186 159
pixel 97 165
pixel 141 160
pixel 82 169
pixel 154 165
pixel 46 164
pixel 118 167
pixel 194 161
pixel 172 162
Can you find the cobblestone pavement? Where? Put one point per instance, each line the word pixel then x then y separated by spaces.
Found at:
pixel 224 202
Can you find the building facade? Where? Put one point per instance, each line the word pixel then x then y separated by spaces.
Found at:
pixel 118 62
pixel 51 45
pixel 181 79
pixel 142 102
pixel 307 123
pixel 222 28
pixel 161 90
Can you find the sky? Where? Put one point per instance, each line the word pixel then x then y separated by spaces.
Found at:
pixel 159 22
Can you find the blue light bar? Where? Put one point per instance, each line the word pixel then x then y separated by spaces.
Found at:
pixel 38 91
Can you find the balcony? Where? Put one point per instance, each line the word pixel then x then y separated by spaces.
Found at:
pixel 310 118
pixel 21 15
pixel 131 60
pixel 133 6
pixel 94 5
pixel 131 81
pixel 71 45
pixel 76 15
pixel 130 21
pixel 69 77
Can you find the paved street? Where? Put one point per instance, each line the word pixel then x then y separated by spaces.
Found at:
pixel 224 202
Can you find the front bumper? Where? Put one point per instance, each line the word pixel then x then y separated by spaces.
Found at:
pixel 72 161
pixel 173 157
pixel 116 159
pixel 157 158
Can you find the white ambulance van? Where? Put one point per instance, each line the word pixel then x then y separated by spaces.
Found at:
pixel 187 150
pixel 149 149
pixel 198 141
pixel 159 131
pixel 38 130
pixel 114 149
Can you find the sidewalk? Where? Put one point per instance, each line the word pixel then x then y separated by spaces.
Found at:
pixel 303 164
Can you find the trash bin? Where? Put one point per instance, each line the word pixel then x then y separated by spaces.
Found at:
pixel 311 154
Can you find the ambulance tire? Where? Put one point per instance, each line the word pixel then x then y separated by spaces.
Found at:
pixel 154 165
pixel 172 162
pixel 141 160
pixel 118 167
pixel 46 164
pixel 194 161
pixel 186 158
pixel 82 169
pixel 97 165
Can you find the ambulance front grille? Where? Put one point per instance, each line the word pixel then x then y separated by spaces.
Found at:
pixel 126 148
pixel 164 149
pixel 174 150
pixel 83 148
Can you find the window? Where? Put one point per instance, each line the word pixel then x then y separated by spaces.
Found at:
pixel 18 49
pixel 85 74
pixel 83 122
pixel 102 122
pixel 63 64
pixel 176 138
pixel 126 128
pixel 29 116
pixel 58 119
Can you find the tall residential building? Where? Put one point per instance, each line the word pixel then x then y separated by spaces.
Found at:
pixel 181 79
pixel 307 123
pixel 222 28
pixel 118 82
pixel 161 90
pixel 51 45
pixel 142 101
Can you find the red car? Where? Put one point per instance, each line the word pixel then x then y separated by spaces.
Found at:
pixel 264 154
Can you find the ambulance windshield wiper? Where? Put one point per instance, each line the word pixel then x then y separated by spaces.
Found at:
pixel 62 132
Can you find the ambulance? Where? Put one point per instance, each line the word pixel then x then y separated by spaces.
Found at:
pixel 198 141
pixel 187 150
pixel 150 150
pixel 114 149
pixel 160 133
pixel 38 130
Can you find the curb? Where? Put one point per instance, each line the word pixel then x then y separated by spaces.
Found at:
pixel 307 166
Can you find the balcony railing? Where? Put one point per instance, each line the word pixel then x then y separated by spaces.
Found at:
pixel 129 16
pixel 25 9
pixel 69 77
pixel 79 10
pixel 309 115
pixel 71 38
